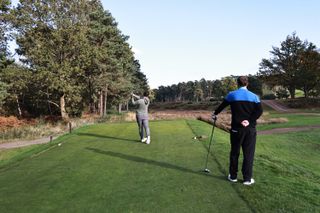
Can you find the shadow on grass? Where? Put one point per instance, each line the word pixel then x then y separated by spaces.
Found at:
pixel 152 162
pixel 106 137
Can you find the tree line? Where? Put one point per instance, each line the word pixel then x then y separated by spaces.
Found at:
pixel 203 90
pixel 73 58
pixel 294 65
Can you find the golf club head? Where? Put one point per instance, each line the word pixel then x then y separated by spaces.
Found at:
pixel 206 170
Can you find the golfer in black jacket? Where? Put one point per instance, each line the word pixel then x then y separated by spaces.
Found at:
pixel 245 109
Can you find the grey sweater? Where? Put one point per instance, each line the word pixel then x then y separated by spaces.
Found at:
pixel 143 104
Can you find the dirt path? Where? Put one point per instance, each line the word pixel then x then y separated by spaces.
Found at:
pixel 276 106
pixel 17 144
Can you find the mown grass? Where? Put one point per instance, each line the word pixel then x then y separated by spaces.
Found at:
pixel 286 170
pixel 103 168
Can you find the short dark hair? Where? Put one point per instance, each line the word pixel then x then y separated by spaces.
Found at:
pixel 146 93
pixel 242 81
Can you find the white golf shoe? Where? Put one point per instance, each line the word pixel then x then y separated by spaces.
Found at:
pixel 232 180
pixel 249 183
pixel 143 140
pixel 148 140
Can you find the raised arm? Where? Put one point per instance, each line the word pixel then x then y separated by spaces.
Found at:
pixel 134 96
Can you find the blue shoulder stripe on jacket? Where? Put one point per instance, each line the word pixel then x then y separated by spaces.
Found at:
pixel 242 95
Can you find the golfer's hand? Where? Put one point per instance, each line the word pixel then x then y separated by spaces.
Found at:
pixel 214 116
pixel 245 123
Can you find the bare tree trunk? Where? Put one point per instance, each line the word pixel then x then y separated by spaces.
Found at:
pixel 127 106
pixel 120 107
pixel 292 92
pixel 305 92
pixel 92 106
pixel 49 106
pixel 105 101
pixel 18 106
pixel 101 104
pixel 64 113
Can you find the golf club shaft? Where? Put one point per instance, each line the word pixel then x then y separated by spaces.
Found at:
pixel 214 123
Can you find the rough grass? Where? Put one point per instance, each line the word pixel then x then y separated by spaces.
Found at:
pixel 184 105
pixel 302 103
pixel 12 129
pixel 8 156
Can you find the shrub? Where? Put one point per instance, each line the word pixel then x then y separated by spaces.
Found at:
pixel 282 93
pixel 269 97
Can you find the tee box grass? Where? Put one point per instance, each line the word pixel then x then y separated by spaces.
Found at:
pixel 104 168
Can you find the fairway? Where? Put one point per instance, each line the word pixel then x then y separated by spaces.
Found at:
pixel 103 168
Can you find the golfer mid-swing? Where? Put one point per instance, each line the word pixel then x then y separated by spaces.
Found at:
pixel 245 109
pixel 142 115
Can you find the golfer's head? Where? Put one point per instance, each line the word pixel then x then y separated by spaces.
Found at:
pixel 146 94
pixel 242 81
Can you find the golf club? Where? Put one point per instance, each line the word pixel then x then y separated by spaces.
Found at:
pixel 206 170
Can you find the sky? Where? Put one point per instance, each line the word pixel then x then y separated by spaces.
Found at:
pixel 182 40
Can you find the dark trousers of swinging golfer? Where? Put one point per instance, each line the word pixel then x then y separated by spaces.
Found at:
pixel 245 138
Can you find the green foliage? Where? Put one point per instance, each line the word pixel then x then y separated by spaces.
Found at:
pixel 270 96
pixel 4 28
pixel 74 53
pixel 309 75
pixel 255 85
pixel 282 93
pixel 294 65
pixel 203 90
pixel 3 92
pixel 228 84
pixel 198 91
pixel 18 80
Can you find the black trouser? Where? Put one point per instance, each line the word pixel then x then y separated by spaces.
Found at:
pixel 245 138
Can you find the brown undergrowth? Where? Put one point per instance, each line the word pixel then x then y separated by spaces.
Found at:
pixel 12 128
